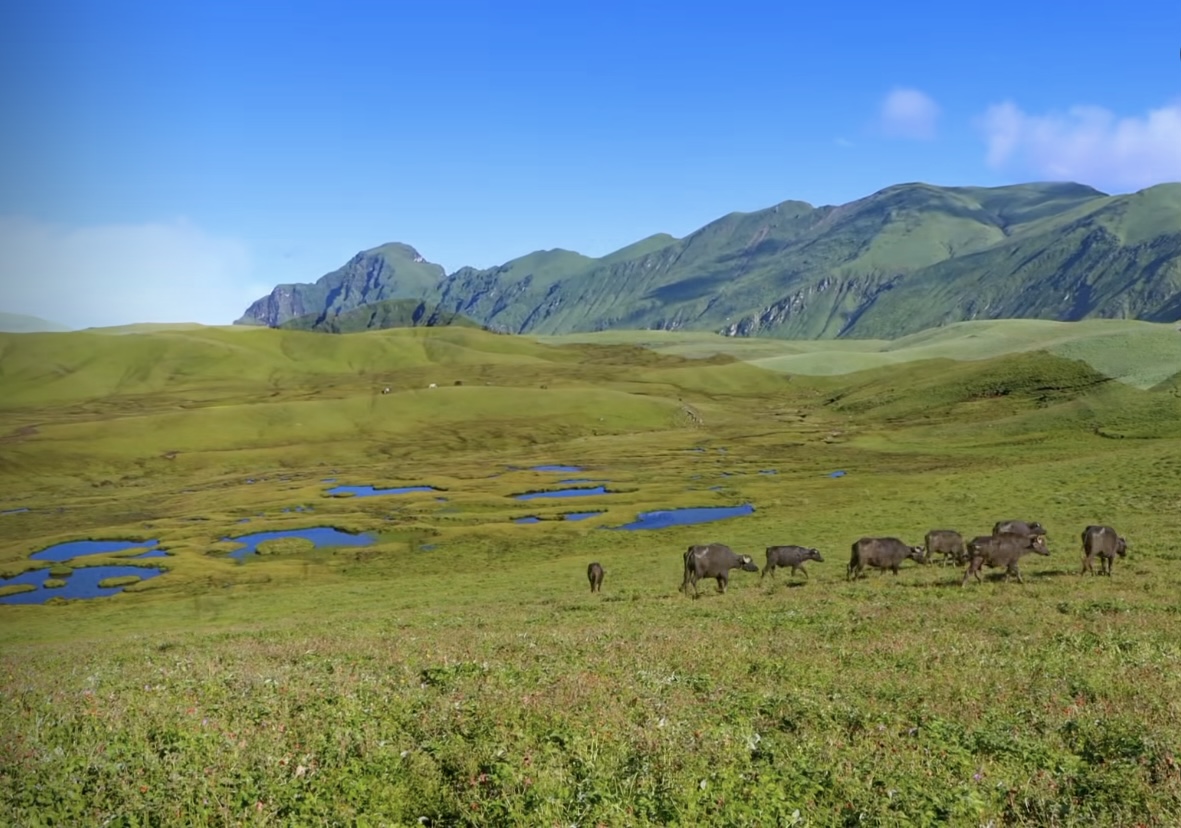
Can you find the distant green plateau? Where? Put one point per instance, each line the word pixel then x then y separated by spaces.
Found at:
pixel 905 259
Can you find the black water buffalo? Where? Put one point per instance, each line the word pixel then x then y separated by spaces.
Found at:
pixel 594 574
pixel 949 543
pixel 1104 542
pixel 883 553
pixel 789 556
pixel 1018 527
pixel 713 560
pixel 1005 549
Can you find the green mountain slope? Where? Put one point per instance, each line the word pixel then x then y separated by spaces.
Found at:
pixel 908 257
pixel 21 323
pixel 390 313
pixel 391 271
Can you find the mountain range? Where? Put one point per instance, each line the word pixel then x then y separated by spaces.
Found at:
pixel 906 258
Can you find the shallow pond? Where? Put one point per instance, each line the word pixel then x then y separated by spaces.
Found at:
pixel 369 491
pixel 597 490
pixel 682 517
pixel 83 582
pixel 76 549
pixel 556 468
pixel 320 536
pixel 15 511
pixel 530 519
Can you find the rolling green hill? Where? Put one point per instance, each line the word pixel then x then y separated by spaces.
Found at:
pixel 1141 354
pixel 390 313
pixel 907 258
pixel 21 323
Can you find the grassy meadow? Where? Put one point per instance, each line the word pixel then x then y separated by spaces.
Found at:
pixel 459 671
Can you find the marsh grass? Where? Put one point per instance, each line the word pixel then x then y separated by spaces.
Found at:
pixel 479 682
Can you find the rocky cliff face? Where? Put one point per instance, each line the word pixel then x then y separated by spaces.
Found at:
pixel 392 271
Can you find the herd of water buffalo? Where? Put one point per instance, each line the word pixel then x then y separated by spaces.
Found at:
pixel 1009 542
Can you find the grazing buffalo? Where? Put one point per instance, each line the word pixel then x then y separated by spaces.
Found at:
pixel 714 560
pixel 1005 549
pixel 1018 527
pixel 883 553
pixel 789 556
pixel 594 574
pixel 949 543
pixel 1104 542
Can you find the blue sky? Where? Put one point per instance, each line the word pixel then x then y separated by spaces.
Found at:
pixel 174 161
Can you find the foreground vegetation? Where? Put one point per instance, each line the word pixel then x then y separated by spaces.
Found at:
pixel 460 672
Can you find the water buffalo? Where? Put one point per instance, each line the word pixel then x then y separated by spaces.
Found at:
pixel 789 556
pixel 1104 542
pixel 1005 549
pixel 948 543
pixel 1018 527
pixel 594 574
pixel 883 553
pixel 714 560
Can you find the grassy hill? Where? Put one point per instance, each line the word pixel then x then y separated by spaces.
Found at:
pixel 459 669
pixel 390 313
pixel 21 323
pixel 907 258
pixel 1142 354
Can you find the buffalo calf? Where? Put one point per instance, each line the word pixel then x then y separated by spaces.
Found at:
pixel 1005 549
pixel 883 554
pixel 789 556
pixel 594 574
pixel 1104 542
pixel 948 543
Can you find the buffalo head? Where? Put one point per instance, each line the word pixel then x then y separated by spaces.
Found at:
pixel 748 564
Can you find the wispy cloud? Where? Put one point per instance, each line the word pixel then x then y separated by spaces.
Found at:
pixel 1089 144
pixel 909 113
pixel 121 274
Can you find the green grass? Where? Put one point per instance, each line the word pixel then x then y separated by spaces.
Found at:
pixel 461 671
pixel 1141 354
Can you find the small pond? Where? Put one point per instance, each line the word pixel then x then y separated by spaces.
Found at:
pixel 556 468
pixel 81 583
pixel 15 511
pixel 321 536
pixel 597 490
pixel 369 491
pixel 76 549
pixel 681 517
pixel 529 519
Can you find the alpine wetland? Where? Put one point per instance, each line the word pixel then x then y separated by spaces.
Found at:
pixel 302 524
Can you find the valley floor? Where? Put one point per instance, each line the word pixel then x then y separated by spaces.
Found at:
pixel 460 672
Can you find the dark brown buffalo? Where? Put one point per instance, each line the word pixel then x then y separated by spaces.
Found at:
pixel 882 553
pixel 1018 527
pixel 713 560
pixel 1005 549
pixel 949 543
pixel 594 574
pixel 789 556
pixel 1104 542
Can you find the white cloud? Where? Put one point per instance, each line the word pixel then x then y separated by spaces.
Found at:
pixel 122 274
pixel 1088 144
pixel 909 113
